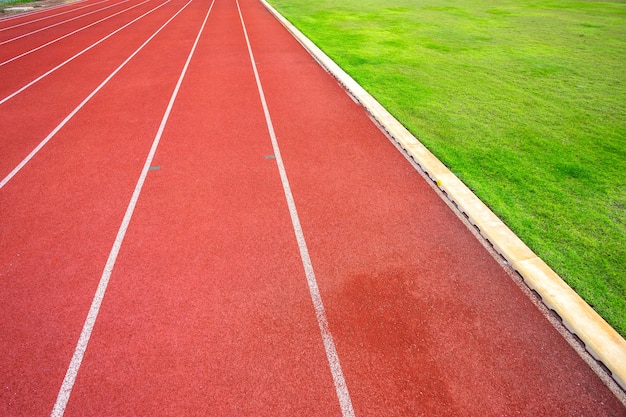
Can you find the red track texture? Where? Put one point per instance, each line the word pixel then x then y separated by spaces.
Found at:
pixel 207 311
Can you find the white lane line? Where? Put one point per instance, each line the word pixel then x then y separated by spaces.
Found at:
pixel 10 96
pixel 72 371
pixel 80 106
pixel 60 23
pixel 70 34
pixel 35 12
pixel 331 352
pixel 48 17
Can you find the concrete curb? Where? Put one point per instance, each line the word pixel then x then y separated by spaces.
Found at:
pixel 600 339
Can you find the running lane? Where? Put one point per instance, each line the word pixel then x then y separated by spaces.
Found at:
pixel 60 215
pixel 425 321
pixel 49 29
pixel 26 59
pixel 208 310
pixel 18 46
pixel 47 103
pixel 23 19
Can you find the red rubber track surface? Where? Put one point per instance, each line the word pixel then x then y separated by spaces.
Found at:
pixel 44 105
pixel 207 311
pixel 31 17
pixel 48 29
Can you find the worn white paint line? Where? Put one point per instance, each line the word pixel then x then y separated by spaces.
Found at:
pixel 341 387
pixel 47 17
pixel 34 152
pixel 72 371
pixel 60 23
pixel 600 339
pixel 70 34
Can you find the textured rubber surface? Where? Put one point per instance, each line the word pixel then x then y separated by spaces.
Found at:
pixel 207 311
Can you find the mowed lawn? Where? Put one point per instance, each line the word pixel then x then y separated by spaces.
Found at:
pixel 524 100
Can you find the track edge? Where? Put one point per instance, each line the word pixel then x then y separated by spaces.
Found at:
pixel 599 338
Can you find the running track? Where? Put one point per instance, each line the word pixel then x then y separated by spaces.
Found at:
pixel 188 231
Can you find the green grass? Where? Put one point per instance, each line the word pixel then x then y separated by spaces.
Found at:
pixel 8 3
pixel 524 100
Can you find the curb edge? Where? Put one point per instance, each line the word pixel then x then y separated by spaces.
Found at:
pixel 599 338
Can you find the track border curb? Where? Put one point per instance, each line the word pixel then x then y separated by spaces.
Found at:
pixel 599 338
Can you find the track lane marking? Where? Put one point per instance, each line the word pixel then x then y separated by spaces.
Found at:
pixel 341 388
pixel 69 34
pixel 60 23
pixel 43 10
pixel 30 84
pixel 89 97
pixel 74 366
pixel 47 17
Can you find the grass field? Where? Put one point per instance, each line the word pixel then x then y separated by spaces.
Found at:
pixel 7 3
pixel 524 100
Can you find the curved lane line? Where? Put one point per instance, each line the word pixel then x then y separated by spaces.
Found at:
pixel 341 388
pixel 48 17
pixel 83 340
pixel 69 34
pixel 60 23
pixel 30 84
pixel 80 106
